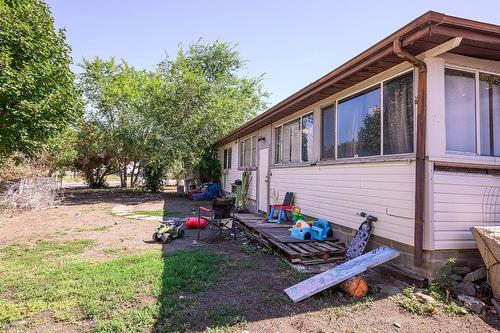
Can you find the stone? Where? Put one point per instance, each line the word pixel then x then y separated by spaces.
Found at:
pixel 496 305
pixel 398 325
pixel 467 288
pixel 456 277
pixel 472 303
pixel 478 274
pixel 461 270
pixel 423 298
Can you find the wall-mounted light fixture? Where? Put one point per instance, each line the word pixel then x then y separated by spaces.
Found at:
pixel 261 138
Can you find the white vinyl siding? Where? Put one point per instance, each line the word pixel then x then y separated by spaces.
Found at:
pixel 460 202
pixel 338 192
pixel 234 173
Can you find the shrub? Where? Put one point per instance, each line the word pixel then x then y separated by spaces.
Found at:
pixel 153 176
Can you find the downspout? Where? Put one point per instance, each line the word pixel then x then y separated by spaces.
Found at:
pixel 420 153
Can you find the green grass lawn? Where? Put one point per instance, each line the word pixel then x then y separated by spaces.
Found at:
pixel 157 212
pixel 53 282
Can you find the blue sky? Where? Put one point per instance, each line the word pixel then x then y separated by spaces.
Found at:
pixel 292 42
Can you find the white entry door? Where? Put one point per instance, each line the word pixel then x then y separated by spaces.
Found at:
pixel 263 173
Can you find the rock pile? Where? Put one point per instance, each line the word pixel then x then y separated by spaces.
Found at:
pixel 469 283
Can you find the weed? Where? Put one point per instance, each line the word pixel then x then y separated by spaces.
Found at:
pixel 287 271
pixel 436 292
pixel 101 228
pixel 363 302
pixel 443 282
pixel 453 308
pixel 409 302
pixel 88 210
pixel 249 249
pixel 223 315
pixel 249 265
pixel 277 298
pixel 337 311
pixel 112 250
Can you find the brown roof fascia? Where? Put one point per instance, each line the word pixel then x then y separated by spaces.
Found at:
pixel 423 26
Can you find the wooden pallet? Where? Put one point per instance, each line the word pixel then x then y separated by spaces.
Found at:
pixel 277 238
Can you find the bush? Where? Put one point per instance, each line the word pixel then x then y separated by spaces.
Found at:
pixel 154 175
pixel 209 167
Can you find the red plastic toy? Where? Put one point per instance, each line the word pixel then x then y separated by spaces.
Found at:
pixel 192 223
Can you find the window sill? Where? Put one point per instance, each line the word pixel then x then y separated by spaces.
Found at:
pixel 356 160
pixel 247 168
pixel 466 159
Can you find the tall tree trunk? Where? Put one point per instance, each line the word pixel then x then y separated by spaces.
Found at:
pixel 124 173
pixel 132 174
pixel 137 175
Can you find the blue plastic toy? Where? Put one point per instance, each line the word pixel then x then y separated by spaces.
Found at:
pixel 321 230
pixel 212 191
pixel 301 230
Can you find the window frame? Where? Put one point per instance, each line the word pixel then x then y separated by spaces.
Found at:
pixel 476 72
pixel 241 157
pixel 299 118
pixel 334 106
pixel 227 157
pixel 378 85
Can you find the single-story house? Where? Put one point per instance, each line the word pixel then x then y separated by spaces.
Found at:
pixel 408 131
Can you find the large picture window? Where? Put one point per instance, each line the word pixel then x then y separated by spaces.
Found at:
pixel 489 107
pixel 460 111
pixel 294 141
pixel 353 127
pixel 398 115
pixel 359 125
pixel 247 151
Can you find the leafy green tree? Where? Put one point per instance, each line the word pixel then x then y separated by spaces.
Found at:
pixel 38 97
pixel 114 94
pixel 209 168
pixel 156 120
pixel 95 154
pixel 201 97
pixel 59 153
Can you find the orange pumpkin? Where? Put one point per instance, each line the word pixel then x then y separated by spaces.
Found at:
pixel 356 287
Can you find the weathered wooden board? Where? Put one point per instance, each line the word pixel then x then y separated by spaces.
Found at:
pixel 340 273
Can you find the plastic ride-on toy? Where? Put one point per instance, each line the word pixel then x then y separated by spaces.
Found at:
pixel 301 230
pixel 168 231
pixel 321 230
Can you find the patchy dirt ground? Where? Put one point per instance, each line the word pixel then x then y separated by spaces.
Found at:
pixel 250 295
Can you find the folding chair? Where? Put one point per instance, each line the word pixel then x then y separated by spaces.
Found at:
pixel 282 209
pixel 219 216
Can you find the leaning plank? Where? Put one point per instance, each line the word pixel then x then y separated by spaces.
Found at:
pixel 340 273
